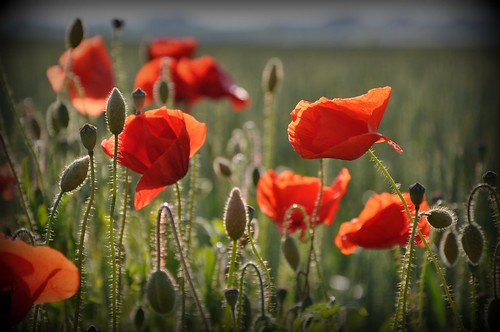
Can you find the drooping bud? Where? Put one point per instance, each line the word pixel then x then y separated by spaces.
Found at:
pixel 222 167
pixel 491 178
pixel 74 175
pixel 472 243
pixel 417 192
pixel 235 215
pixel 57 117
pixel 88 135
pixel 139 98
pixel 441 217
pixel 75 34
pixel 161 292
pixel 231 296
pixel 290 251
pixel 116 111
pixel 449 248
pixel 272 76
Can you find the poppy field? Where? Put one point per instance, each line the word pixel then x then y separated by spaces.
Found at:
pixel 177 185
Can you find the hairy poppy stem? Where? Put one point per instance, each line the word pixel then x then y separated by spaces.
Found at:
pixel 114 295
pixel 240 293
pixel 53 211
pixel 230 279
pixel 122 233
pixel 192 200
pixel 79 261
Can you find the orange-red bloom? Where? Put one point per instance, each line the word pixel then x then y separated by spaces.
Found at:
pixel 277 192
pixel 339 128
pixel 383 223
pixel 192 79
pixel 31 275
pixel 90 76
pixel 157 144
pixel 172 47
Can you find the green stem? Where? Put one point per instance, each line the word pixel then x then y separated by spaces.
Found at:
pixel 421 289
pixel 114 295
pixel 473 295
pixel 240 293
pixel 230 280
pixel 496 253
pixel 53 211
pixel 79 261
pixel 179 228
pixel 185 269
pixel 192 195
pixel 122 235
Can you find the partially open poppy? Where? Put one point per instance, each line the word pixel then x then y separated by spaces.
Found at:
pixel 32 275
pixel 339 128
pixel 382 223
pixel 157 144
pixel 90 76
pixel 193 79
pixel 174 47
pixel 278 192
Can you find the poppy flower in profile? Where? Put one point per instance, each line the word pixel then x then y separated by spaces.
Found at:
pixel 193 79
pixel 277 192
pixel 382 223
pixel 339 128
pixel 90 76
pixel 32 275
pixel 157 144
pixel 172 47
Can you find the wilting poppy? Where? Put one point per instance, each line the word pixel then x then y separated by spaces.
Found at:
pixel 32 275
pixel 193 79
pixel 174 47
pixel 278 192
pixel 90 76
pixel 339 128
pixel 157 144
pixel 382 223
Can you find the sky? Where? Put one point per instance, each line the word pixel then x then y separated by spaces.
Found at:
pixel 385 23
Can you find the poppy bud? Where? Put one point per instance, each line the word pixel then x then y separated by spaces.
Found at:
pixel 235 215
pixel 449 249
pixel 290 251
pixel 417 192
pixel 473 243
pixel 34 128
pixel 116 111
pixel 91 328
pixel 75 34
pixel 492 311
pixel 161 292
pixel 74 175
pixel 139 318
pixel 272 76
pixel 117 23
pixel 441 217
pixel 139 98
pixel 231 296
pixel 281 294
pixel 88 135
pixel 222 167
pixel 57 117
pixel 256 175
pixel 161 91
pixel 491 178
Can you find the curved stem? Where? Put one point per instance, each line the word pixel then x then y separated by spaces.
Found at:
pixel 240 293
pixel 53 211
pixel 114 295
pixel 230 278
pixel 185 268
pixel 79 262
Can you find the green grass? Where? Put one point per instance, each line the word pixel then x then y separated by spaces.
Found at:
pixel 445 105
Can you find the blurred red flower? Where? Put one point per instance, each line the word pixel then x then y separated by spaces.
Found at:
pixel 339 128
pixel 383 223
pixel 277 192
pixel 174 47
pixel 7 182
pixel 192 80
pixel 90 76
pixel 157 144
pixel 32 275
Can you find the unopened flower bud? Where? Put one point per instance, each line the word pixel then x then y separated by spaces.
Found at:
pixel 161 292
pixel 139 318
pixel 139 98
pixel 491 178
pixel 117 23
pixel 74 175
pixel 473 243
pixel 417 192
pixel 222 167
pixel 272 76
pixel 492 318
pixel 92 328
pixel 88 135
pixel 449 249
pixel 34 128
pixel 161 91
pixel 290 251
pixel 231 296
pixel 57 116
pixel 75 34
pixel 235 215
pixel 116 111
pixel 441 217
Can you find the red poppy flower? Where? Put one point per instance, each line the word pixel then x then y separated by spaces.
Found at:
pixel 32 275
pixel 276 193
pixel 157 144
pixel 90 77
pixel 383 223
pixel 172 47
pixel 192 79
pixel 339 128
